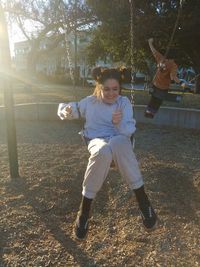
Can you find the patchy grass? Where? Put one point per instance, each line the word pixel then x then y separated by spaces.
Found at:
pixel 41 92
pixel 46 93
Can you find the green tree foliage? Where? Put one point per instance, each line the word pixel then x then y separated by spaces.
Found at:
pixel 155 18
pixel 111 36
pixel 110 24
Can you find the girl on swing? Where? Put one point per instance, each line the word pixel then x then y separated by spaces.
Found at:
pixel 166 71
pixel 109 124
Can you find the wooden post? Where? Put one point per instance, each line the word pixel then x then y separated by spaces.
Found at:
pixel 5 77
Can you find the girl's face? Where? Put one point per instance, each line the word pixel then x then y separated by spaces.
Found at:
pixel 110 91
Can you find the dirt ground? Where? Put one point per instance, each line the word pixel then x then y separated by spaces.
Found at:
pixel 37 210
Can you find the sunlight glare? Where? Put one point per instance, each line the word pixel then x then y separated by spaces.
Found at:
pixel 1 30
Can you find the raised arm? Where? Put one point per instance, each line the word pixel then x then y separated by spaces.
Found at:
pixel 153 50
pixel 158 56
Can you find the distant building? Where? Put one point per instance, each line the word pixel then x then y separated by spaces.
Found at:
pixel 55 59
pixel 21 50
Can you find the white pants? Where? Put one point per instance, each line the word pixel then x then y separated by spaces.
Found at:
pixel 102 152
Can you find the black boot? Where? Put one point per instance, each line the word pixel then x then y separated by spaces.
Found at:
pixel 81 224
pixel 153 107
pixel 147 212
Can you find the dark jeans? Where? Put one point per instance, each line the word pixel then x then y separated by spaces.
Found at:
pixel 157 98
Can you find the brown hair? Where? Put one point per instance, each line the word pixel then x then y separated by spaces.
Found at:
pixel 101 74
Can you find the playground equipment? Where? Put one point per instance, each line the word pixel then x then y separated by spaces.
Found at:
pixel 5 63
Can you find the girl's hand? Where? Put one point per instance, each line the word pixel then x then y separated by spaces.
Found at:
pixel 116 117
pixel 150 40
pixel 67 111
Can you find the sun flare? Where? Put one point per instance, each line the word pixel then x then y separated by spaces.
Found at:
pixel 1 30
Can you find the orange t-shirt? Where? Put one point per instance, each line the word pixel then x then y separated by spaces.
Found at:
pixel 166 68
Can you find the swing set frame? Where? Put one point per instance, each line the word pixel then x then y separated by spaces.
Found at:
pixel 9 110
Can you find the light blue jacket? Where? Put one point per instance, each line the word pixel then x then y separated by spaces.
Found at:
pixel 98 116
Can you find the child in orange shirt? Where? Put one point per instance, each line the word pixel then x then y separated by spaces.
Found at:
pixel 166 71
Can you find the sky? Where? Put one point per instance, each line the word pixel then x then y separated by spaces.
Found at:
pixel 15 35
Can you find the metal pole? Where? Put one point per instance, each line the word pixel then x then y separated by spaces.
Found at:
pixel 5 72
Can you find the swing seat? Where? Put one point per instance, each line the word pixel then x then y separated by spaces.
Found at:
pixel 112 165
pixel 130 86
pixel 171 97
pixel 165 95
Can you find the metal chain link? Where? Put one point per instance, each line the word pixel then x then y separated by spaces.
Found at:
pixel 66 45
pixel 132 48
pixel 174 29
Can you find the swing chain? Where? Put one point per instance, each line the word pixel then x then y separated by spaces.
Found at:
pixel 67 48
pixel 66 41
pixel 174 29
pixel 132 49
